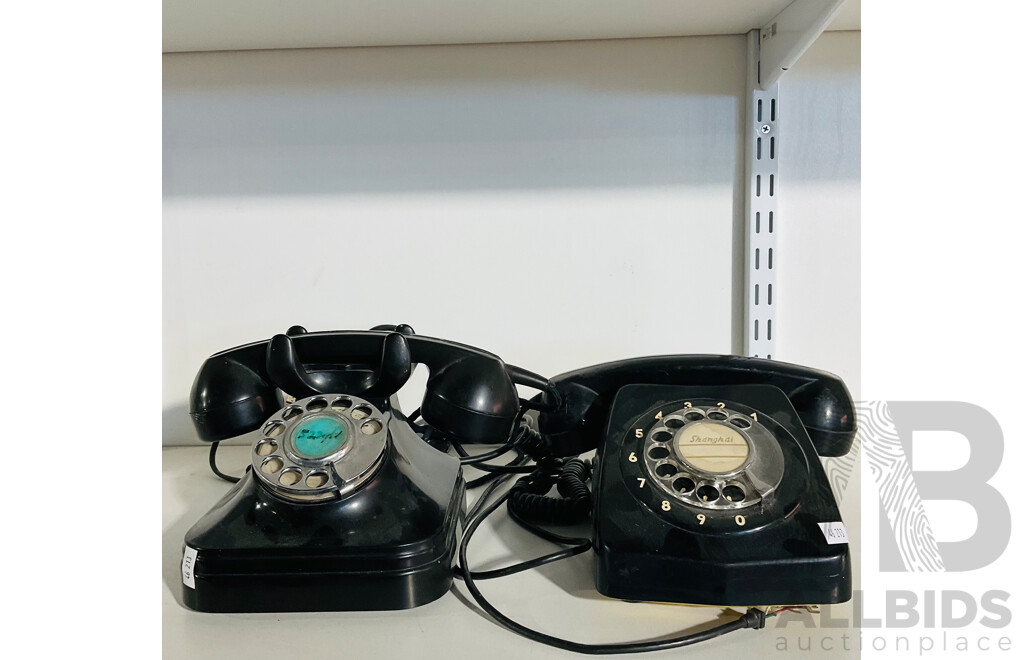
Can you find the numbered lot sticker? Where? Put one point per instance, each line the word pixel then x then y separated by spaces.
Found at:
pixel 188 563
pixel 835 532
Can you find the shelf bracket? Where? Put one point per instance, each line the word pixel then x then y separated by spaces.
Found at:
pixel 762 221
pixel 785 38
pixel 770 51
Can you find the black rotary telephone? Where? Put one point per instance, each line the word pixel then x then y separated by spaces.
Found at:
pixel 706 487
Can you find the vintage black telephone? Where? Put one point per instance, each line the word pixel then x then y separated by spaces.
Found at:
pixel 707 488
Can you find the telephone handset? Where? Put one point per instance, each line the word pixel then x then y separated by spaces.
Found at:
pixel 821 399
pixel 470 395
pixel 706 484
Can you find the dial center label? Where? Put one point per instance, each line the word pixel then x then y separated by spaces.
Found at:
pixel 712 447
pixel 318 436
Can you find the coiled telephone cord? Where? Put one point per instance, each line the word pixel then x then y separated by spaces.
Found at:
pixel 529 500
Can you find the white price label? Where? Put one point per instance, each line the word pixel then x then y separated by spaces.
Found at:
pixel 835 532
pixel 188 563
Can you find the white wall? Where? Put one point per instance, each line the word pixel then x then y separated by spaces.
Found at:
pixel 818 286
pixel 819 241
pixel 558 204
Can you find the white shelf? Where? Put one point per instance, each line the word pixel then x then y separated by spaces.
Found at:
pixel 266 24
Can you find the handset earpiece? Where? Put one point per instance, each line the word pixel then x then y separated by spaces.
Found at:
pixel 229 398
pixel 472 399
pixel 826 411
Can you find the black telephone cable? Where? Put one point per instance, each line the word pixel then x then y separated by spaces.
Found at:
pixel 577 545
pixel 528 505
pixel 752 618
pixel 488 477
pixel 510 468
pixel 483 458
pixel 213 465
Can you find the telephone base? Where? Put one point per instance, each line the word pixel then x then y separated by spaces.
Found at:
pixel 650 546
pixel 758 584
pixel 320 592
pixel 389 545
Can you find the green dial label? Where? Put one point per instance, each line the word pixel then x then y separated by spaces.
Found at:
pixel 317 437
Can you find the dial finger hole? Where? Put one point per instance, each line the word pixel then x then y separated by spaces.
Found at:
pixel 657 453
pixel 316 479
pixel 733 493
pixel 272 465
pixel 683 484
pixel 266 448
pixel 661 436
pixel 717 415
pixel 341 404
pixel 273 429
pixel 316 404
pixel 693 416
pixel 707 493
pixel 290 477
pixel 740 422
pixel 291 412
pixel 673 422
pixel 666 470
pixel 361 412
pixel 371 427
